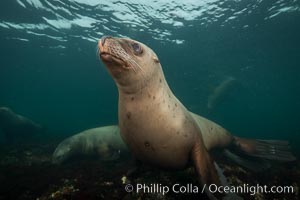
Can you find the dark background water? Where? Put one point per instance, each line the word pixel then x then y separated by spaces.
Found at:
pixel 50 72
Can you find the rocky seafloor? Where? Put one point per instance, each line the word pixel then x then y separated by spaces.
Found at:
pixel 26 172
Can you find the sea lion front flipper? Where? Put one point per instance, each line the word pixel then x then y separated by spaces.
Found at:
pixel 210 173
pixel 205 168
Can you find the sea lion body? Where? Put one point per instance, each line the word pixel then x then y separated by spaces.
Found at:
pixel 17 128
pixel 157 127
pixel 164 129
pixel 154 124
pixel 106 142
pixel 214 135
pixel 102 142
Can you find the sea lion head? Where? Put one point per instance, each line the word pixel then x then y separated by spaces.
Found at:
pixel 131 63
pixel 63 151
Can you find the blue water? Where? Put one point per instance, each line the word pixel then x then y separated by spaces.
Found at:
pixel 51 74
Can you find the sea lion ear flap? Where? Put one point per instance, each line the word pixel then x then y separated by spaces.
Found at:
pixel 155 58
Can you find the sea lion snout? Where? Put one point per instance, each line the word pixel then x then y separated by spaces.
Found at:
pixel 108 48
pixel 103 39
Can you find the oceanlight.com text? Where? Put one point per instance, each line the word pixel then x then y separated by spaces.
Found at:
pixel 212 188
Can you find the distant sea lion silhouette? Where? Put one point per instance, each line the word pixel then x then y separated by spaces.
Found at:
pixel 157 127
pixel 17 128
pixel 219 92
pixel 103 142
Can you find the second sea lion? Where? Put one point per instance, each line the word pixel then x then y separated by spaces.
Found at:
pixel 102 142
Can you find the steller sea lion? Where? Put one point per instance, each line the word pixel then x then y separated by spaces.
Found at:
pixel 218 92
pixel 103 142
pixel 157 127
pixel 17 128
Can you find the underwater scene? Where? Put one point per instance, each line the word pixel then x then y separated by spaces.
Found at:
pixel 149 99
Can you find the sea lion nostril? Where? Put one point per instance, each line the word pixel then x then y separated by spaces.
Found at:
pixel 103 39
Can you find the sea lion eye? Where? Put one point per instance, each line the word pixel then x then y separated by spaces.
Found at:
pixel 137 48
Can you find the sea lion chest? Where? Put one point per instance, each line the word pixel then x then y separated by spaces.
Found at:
pixel 157 129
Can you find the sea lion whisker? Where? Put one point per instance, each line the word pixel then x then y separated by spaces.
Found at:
pixel 128 59
pixel 138 65
pixel 121 54
pixel 134 67
pixel 143 73
pixel 135 64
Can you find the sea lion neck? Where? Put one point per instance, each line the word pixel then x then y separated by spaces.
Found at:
pixel 146 87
